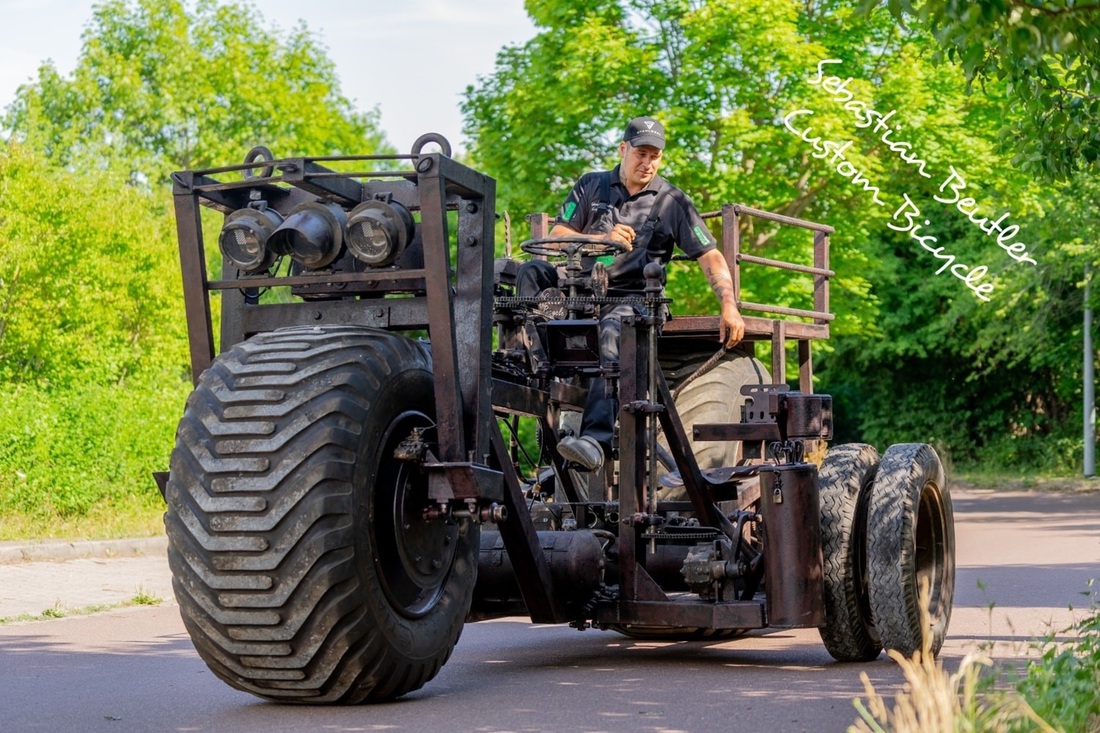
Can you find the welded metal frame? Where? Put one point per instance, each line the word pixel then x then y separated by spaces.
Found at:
pixel 451 296
pixel 432 184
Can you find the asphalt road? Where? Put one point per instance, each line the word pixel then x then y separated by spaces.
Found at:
pixel 1023 560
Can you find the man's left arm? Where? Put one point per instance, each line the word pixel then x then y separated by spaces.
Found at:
pixel 731 326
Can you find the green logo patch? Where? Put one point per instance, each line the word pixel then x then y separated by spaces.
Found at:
pixel 570 207
pixel 702 235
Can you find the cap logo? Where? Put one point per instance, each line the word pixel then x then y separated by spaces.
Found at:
pixel 645 131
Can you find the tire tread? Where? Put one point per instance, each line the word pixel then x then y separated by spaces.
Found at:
pixel 260 519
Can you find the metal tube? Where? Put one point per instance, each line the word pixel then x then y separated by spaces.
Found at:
pixel 575 561
pixel 780 264
pixel 784 311
pixel 651 419
pixel 1090 387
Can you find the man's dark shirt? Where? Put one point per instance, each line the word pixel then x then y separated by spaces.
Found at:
pixel 656 232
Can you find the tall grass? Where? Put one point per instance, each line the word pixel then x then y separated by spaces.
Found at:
pixel 78 462
pixel 1058 692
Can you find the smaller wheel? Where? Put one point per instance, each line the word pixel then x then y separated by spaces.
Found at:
pixel 911 550
pixel 569 246
pixel 846 476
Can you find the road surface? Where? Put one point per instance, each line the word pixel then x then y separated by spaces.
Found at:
pixel 1023 560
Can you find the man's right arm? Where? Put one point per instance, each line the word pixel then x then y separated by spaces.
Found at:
pixel 573 218
pixel 620 233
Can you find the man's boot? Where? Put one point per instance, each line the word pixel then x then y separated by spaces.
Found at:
pixel 583 451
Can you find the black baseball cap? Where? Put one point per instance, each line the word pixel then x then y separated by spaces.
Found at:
pixel 645 131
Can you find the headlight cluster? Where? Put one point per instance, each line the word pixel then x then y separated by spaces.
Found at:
pixel 314 234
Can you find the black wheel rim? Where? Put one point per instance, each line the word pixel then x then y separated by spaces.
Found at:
pixel 930 534
pixel 861 572
pixel 412 554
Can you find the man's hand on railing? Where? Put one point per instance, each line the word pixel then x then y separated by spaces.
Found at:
pixel 732 327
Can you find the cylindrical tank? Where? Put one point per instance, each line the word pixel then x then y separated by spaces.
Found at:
pixel 576 560
pixel 790 507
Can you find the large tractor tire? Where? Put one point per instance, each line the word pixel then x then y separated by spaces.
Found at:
pixel 714 397
pixel 845 480
pixel 304 568
pixel 911 544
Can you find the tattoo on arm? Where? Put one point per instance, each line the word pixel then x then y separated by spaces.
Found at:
pixel 720 282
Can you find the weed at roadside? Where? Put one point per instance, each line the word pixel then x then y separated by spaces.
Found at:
pixel 141 598
pixel 145 599
pixel 1063 685
pixel 933 700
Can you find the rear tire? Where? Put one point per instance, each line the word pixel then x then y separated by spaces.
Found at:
pixel 302 564
pixel 912 542
pixel 846 476
pixel 715 397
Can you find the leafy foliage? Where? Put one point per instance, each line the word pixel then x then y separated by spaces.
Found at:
pixel 92 341
pixel 89 280
pixel 914 355
pixel 93 351
pixel 1061 685
pixel 1048 55
pixel 722 76
pixel 159 87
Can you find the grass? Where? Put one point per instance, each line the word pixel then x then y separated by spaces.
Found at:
pixel 142 598
pixel 101 523
pixel 1057 691
pixel 1001 481
pixel 77 463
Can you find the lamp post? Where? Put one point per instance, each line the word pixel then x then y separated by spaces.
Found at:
pixel 1090 388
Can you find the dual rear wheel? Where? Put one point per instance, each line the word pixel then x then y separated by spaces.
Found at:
pixel 889 550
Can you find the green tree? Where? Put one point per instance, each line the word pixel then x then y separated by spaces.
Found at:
pixel 93 352
pixel 722 75
pixel 93 355
pixel 1048 54
pixel 914 355
pixel 161 87
pixel 89 277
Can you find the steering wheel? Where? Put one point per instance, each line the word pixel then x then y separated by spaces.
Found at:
pixel 569 246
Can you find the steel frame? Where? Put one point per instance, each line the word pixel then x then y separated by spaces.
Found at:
pixel 451 297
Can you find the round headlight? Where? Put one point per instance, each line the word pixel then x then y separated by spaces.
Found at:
pixel 377 232
pixel 244 237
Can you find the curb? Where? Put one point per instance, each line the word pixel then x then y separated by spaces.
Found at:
pixel 46 551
